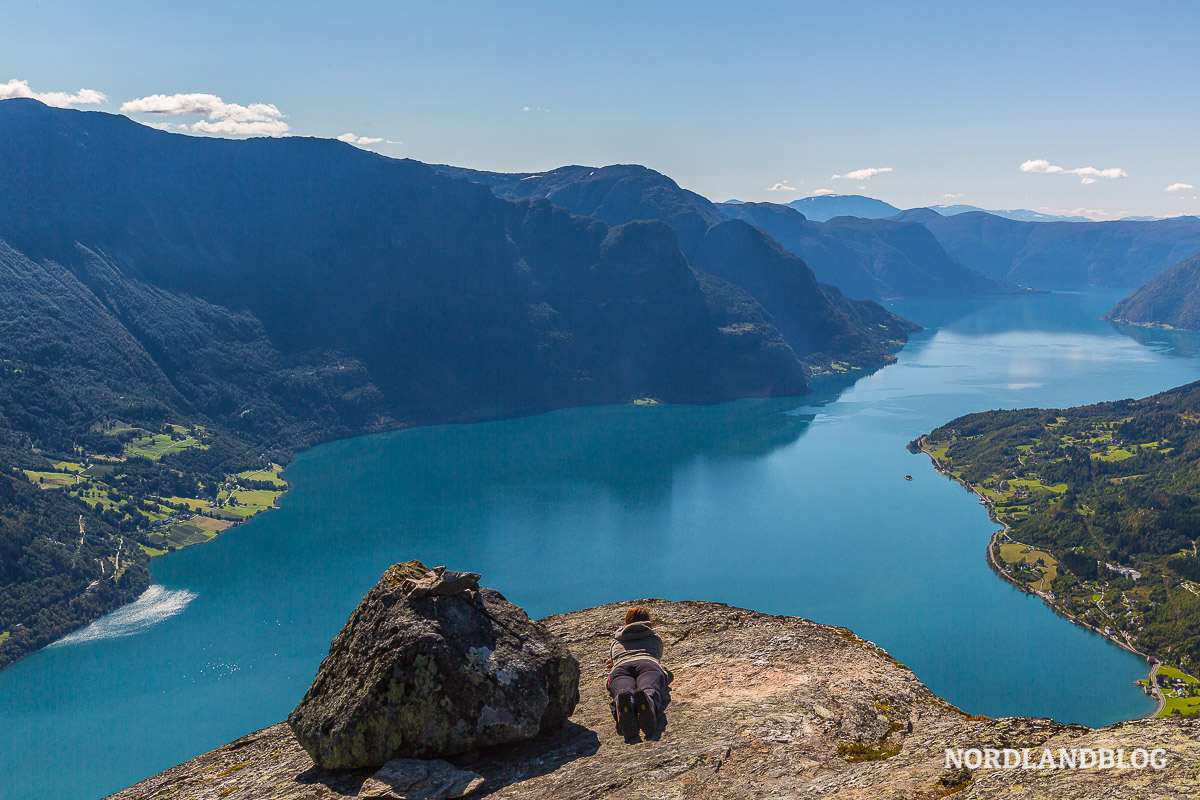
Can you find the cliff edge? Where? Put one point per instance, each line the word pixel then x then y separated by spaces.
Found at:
pixel 762 706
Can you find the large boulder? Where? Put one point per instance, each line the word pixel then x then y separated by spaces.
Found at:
pixel 430 665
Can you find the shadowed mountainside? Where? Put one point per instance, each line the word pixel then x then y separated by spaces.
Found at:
pixel 1171 300
pixel 822 325
pixel 260 296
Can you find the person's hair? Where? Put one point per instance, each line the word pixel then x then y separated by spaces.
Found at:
pixel 637 614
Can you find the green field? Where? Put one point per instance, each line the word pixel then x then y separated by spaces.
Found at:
pixel 146 444
pixel 256 497
pixel 1171 672
pixel 155 446
pixel 181 534
pixel 1181 707
pixel 3 636
pixel 50 480
pixel 1015 554
pixel 241 512
pixel 191 502
pixel 272 474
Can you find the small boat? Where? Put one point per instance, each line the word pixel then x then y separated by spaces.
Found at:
pixel 908 477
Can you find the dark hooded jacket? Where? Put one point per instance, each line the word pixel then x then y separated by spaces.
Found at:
pixel 635 642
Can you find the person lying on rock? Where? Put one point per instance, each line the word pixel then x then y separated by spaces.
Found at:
pixel 637 682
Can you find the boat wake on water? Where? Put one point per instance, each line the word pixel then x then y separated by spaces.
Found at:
pixel 156 604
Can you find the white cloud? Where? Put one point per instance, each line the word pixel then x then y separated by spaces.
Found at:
pixel 208 105
pixel 351 138
pixel 534 108
pixel 256 119
pixel 782 186
pixel 1088 174
pixel 84 97
pixel 822 192
pixel 863 174
pixel 233 128
pixel 958 196
pixel 1039 165
pixel 1178 187
pixel 165 126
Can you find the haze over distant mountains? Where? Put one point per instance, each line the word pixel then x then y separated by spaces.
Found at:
pixel 827 206
pixel 1049 254
pixel 820 208
pixel 1022 214
pixel 870 258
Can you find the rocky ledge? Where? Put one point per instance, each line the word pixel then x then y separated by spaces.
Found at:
pixel 762 707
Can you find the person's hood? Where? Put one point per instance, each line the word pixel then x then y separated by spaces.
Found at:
pixel 635 630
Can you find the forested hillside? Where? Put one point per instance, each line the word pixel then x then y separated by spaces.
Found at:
pixel 1103 503
pixel 1172 300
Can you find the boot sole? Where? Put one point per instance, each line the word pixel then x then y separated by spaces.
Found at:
pixel 627 719
pixel 647 717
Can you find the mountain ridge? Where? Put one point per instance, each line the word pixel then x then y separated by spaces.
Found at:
pixel 870 258
pixel 818 321
pixel 241 300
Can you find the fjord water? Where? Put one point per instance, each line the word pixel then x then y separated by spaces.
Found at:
pixel 786 506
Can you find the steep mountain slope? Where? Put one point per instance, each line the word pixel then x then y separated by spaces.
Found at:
pixel 237 300
pixel 1047 254
pixel 827 206
pixel 869 258
pixel 1170 300
pixel 57 566
pixel 457 304
pixel 616 194
pixel 822 326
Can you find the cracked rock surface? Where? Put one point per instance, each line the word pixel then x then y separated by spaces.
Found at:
pixel 762 707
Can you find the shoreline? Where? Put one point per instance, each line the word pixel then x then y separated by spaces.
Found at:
pixel 1006 530
pixel 140 589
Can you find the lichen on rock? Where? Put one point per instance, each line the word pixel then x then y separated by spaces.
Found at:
pixel 431 665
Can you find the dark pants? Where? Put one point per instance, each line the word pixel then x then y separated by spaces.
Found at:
pixel 642 674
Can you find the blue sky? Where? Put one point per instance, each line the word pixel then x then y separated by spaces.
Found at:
pixel 728 99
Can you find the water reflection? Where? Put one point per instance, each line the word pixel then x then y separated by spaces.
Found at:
pixel 1171 343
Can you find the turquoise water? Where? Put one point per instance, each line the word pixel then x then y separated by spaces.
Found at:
pixel 791 507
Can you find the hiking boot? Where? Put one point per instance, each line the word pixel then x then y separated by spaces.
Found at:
pixel 647 712
pixel 627 721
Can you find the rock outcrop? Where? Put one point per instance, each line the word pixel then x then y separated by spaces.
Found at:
pixel 762 707
pixel 431 665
